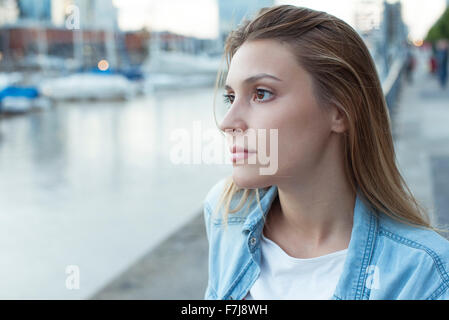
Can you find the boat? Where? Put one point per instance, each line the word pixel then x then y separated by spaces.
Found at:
pixel 21 99
pixel 89 86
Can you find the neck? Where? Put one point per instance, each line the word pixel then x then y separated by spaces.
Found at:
pixel 318 211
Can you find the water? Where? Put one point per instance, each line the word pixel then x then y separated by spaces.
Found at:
pixel 91 184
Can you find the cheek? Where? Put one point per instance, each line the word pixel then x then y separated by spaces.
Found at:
pixel 302 136
pixel 302 133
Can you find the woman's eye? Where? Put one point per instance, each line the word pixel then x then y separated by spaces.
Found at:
pixel 260 93
pixel 228 99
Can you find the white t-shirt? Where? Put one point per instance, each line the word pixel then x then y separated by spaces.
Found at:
pixel 283 277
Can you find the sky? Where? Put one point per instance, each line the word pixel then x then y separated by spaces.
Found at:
pixel 190 17
pixel 200 17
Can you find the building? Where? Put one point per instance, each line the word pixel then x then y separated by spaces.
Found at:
pixel 395 30
pixel 41 28
pixel 32 10
pixel 97 21
pixel 92 14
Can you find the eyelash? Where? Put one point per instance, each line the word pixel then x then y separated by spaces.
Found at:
pixel 227 97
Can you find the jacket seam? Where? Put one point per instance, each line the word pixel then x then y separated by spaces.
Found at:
pixel 219 220
pixel 365 260
pixel 436 259
pixel 237 279
pixel 249 286
pixel 208 212
pixel 438 292
pixel 231 220
pixel 207 225
pixel 212 291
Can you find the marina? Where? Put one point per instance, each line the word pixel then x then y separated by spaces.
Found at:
pixel 108 144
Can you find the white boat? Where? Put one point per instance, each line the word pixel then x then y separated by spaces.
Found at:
pixel 87 86
pixel 22 104
pixel 157 81
pixel 17 99
pixel 177 70
pixel 182 63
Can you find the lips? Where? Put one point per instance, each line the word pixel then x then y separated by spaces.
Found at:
pixel 239 153
pixel 239 149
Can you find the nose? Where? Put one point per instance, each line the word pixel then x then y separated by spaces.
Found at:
pixel 234 130
pixel 233 123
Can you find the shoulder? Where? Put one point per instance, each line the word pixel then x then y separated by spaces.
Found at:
pixel 213 207
pixel 214 194
pixel 245 205
pixel 428 241
pixel 417 255
pixel 214 197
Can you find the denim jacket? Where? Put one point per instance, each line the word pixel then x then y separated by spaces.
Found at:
pixel 386 259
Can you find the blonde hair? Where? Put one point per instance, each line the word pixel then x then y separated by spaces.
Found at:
pixel 344 75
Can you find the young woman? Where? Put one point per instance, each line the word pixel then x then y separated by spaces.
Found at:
pixel 335 220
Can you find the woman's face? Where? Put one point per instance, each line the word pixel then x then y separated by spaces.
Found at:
pixel 284 104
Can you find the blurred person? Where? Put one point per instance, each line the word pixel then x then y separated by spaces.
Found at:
pixel 409 65
pixel 441 57
pixel 336 220
pixel 433 64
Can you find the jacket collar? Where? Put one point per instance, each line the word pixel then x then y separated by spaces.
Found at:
pixel 352 282
pixel 267 196
pixel 351 285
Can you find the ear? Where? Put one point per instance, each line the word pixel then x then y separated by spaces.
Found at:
pixel 338 119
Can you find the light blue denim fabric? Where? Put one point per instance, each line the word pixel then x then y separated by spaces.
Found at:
pixel 386 259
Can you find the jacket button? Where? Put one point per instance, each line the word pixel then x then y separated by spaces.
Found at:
pixel 253 241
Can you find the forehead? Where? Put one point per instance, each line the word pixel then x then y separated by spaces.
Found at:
pixel 263 56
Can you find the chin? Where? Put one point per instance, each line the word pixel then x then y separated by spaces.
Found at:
pixel 250 178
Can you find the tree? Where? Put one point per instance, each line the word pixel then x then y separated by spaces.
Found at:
pixel 440 29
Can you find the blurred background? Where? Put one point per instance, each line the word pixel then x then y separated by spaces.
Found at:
pixel 98 99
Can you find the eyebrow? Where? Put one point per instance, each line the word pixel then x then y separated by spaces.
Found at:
pixel 255 78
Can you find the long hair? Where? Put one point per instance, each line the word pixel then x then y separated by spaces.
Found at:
pixel 344 75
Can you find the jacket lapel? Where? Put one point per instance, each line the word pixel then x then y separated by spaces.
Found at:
pixel 352 282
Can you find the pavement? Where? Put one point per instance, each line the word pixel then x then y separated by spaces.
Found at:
pixel 174 270
pixel 421 137
pixel 177 268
